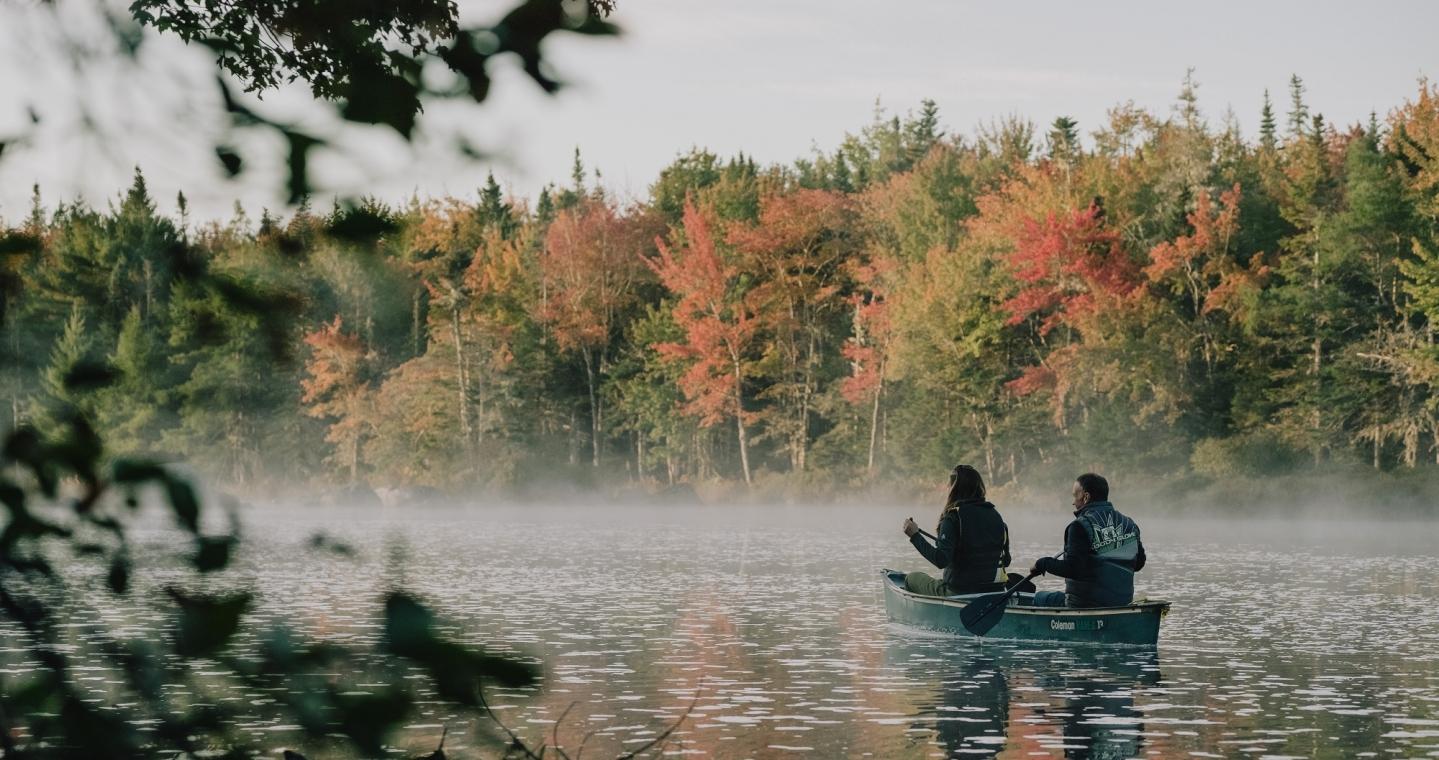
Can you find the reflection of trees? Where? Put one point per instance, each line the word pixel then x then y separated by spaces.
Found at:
pixel 971 706
pixel 976 704
pixel 1096 689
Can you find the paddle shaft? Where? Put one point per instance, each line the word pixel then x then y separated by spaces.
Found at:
pixel 1012 589
pixel 1001 599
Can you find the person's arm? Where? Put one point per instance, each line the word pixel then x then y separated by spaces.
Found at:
pixel 1139 558
pixel 1005 559
pixel 939 554
pixel 1077 562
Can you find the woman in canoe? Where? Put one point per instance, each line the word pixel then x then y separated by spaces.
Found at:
pixel 972 546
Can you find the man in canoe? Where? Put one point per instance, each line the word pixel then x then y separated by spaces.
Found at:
pixel 971 542
pixel 1102 552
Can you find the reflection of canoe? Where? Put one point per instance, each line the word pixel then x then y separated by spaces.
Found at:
pixel 1134 624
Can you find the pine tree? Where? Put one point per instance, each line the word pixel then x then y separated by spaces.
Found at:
pixel 922 132
pixel 1064 140
pixel 1298 112
pixel 545 205
pixel 841 178
pixel 57 399
pixel 1189 102
pixel 1267 139
pixel 132 409
pixel 572 195
pixel 494 211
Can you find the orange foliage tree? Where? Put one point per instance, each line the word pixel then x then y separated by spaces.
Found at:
pixel 590 267
pixel 338 386
pixel 868 348
pixel 718 323
pixel 797 251
pixel 1071 270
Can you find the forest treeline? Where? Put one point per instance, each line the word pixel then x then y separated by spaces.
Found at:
pixel 1161 298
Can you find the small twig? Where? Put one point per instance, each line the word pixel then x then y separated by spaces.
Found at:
pixel 665 735
pixel 555 731
pixel 581 751
pixel 515 742
pixel 7 742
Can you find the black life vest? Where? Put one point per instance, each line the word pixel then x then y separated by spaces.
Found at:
pixel 981 553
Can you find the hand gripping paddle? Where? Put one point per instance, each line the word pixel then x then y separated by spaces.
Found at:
pixel 985 612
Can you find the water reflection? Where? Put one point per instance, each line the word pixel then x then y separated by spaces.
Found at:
pixel 988 699
pixel 1096 692
pixel 785 651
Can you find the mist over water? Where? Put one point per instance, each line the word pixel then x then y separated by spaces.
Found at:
pixel 1286 638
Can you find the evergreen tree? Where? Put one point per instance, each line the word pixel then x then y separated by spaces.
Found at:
pixel 1188 106
pixel 1298 111
pixel 840 177
pixel 921 132
pixel 133 410
pixel 57 399
pixel 1267 139
pixel 494 211
pixel 1064 140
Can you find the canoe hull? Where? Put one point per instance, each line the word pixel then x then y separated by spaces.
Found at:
pixel 1131 625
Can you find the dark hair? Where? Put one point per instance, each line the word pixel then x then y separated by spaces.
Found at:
pixel 965 484
pixel 1094 485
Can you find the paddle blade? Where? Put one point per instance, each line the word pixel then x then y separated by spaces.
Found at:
pixel 984 613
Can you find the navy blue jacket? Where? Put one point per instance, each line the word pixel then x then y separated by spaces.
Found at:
pixel 1092 581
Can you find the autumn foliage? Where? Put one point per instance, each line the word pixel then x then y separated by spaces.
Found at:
pixel 1151 294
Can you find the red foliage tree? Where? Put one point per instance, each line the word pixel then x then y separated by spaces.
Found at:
pixel 868 348
pixel 589 268
pixel 797 249
pixel 1070 268
pixel 718 323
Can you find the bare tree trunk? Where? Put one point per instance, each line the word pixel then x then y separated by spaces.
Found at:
pixel 989 448
pixel 594 407
pixel 1318 359
pixel 417 332
pixel 739 418
pixel 1318 411
pixel 574 438
pixel 354 459
pixel 460 377
pixel 874 421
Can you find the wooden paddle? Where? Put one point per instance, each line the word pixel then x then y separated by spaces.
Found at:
pixel 985 612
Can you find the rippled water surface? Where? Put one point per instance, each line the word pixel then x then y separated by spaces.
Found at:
pixel 767 624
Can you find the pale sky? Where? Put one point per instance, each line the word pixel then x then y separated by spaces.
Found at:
pixel 772 78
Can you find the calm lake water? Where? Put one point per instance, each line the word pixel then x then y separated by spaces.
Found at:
pixel 1296 639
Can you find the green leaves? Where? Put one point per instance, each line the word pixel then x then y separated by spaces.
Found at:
pixel 361 224
pixel 90 376
pixel 368 718
pixel 117 578
pixel 17 243
pixel 206 623
pixel 183 502
pixel 380 97
pixel 457 672
pixel 229 160
pixel 213 553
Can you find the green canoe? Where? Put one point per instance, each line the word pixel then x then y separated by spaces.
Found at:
pixel 1134 624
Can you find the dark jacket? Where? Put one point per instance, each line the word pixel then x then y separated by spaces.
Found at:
pixel 972 548
pixel 1103 577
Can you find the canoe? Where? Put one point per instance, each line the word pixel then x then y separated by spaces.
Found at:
pixel 1135 624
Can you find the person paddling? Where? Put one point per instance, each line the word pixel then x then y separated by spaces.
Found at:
pixel 1102 552
pixel 971 542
